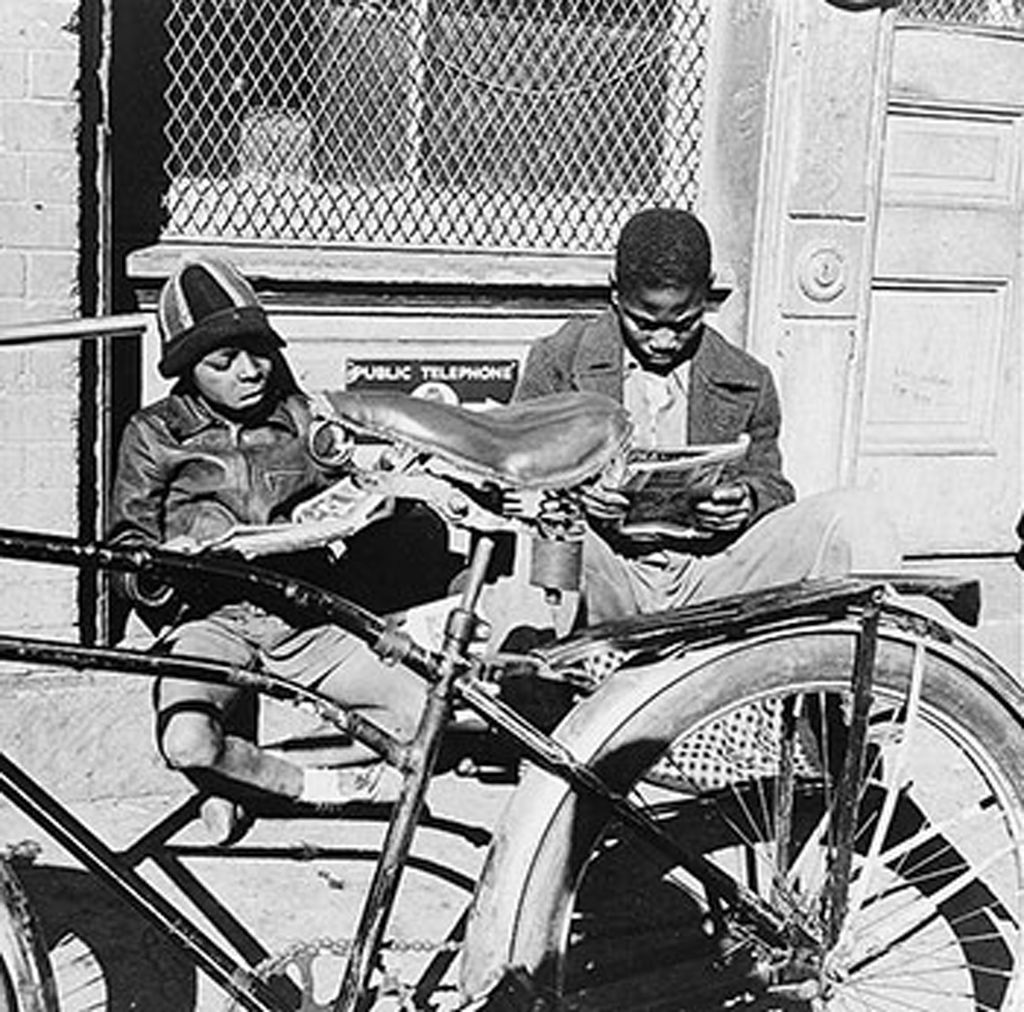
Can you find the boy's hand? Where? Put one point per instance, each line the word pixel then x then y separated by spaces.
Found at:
pixel 604 503
pixel 727 508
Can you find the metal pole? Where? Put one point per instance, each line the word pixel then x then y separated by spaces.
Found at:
pixel 462 623
pixel 851 783
pixel 78 329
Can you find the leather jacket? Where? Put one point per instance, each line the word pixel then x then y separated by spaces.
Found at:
pixel 185 471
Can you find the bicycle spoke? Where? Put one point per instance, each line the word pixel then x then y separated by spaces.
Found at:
pixel 909 965
pixel 904 923
pixel 926 917
pixel 891 784
pixel 883 997
pixel 938 830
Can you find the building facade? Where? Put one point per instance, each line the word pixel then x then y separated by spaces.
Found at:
pixel 420 189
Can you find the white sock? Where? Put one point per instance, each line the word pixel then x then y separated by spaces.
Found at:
pixel 325 786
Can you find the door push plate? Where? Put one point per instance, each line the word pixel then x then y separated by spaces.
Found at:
pixel 823 268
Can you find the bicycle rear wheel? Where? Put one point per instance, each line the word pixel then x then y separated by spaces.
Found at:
pixel 736 754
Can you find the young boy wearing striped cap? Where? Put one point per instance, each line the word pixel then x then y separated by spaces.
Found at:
pixel 228 445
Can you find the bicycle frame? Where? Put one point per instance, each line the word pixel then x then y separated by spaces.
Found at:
pixel 452 676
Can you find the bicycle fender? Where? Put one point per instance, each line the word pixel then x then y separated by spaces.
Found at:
pixel 544 809
pixel 539 799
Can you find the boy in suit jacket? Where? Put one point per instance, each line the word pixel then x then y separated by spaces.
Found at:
pixel 683 383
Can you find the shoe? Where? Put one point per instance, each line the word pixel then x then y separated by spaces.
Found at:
pixel 225 821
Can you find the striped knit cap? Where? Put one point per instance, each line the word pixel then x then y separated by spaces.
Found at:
pixel 205 304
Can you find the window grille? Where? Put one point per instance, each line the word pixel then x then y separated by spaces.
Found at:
pixel 989 13
pixel 496 124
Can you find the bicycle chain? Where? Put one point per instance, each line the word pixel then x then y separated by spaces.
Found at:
pixel 301 955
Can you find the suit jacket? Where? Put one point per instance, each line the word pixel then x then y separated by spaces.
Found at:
pixel 731 392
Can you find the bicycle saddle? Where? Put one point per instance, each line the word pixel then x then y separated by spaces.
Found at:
pixel 549 442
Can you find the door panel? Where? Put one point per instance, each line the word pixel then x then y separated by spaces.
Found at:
pixel 940 431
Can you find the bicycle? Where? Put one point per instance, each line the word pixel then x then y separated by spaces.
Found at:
pixel 809 797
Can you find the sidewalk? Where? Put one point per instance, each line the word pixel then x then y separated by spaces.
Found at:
pixel 289 882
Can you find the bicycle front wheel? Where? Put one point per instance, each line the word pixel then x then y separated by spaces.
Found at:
pixel 26 977
pixel 737 756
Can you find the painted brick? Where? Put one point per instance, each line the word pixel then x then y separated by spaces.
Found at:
pixel 11 309
pixel 37 24
pixel 39 510
pixel 42 310
pixel 52 74
pixel 17 574
pixel 16 311
pixel 15 375
pixel 51 276
pixel 22 311
pixel 47 368
pixel 49 466
pixel 45 602
pixel 12 274
pixel 32 417
pixel 58 610
pixel 40 225
pixel 13 177
pixel 52 175
pixel 11 463
pixel 36 125
pixel 13 74
pixel 53 368
pixel 37 417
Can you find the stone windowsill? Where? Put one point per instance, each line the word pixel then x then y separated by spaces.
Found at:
pixel 383 271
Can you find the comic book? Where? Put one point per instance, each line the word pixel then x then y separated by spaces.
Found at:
pixel 663 486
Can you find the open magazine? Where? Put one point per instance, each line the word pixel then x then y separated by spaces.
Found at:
pixel 325 520
pixel 664 485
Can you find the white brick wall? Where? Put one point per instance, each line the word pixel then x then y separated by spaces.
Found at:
pixel 39 118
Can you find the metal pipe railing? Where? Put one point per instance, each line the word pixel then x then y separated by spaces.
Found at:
pixel 94 327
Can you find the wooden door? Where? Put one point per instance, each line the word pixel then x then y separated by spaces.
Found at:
pixel 940 421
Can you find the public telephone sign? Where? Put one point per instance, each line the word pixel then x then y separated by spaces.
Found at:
pixel 470 382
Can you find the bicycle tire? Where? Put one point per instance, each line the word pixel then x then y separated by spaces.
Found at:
pixel 554 899
pixel 26 976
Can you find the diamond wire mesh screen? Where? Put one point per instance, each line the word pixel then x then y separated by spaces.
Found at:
pixel 989 13
pixel 499 124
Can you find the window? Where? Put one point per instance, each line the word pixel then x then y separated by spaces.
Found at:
pixel 990 13
pixel 481 124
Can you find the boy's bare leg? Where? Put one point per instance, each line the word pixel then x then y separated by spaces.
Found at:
pixel 197 737
pixel 195 732
pixel 194 723
pixel 193 741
